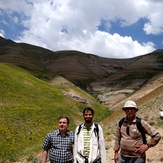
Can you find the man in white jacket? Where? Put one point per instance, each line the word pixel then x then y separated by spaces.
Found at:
pixel 89 145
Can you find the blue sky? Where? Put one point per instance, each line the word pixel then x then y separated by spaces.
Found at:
pixel 107 28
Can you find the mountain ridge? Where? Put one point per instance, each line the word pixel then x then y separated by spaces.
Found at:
pixel 94 74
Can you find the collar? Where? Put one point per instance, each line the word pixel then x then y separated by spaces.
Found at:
pixel 67 133
pixel 84 127
pixel 133 122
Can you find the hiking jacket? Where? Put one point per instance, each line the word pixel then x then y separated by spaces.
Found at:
pixel 97 147
pixel 127 143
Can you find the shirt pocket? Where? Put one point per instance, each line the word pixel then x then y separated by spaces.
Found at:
pixel 134 133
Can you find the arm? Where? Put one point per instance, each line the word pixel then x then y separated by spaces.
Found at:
pixel 45 148
pixel 102 145
pixel 75 144
pixel 44 156
pixel 154 134
pixel 117 143
pixel 142 149
pixel 155 138
pixel 116 157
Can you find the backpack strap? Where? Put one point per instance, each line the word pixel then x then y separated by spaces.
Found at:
pixel 79 128
pixel 138 125
pixel 121 122
pixel 140 128
pixel 96 130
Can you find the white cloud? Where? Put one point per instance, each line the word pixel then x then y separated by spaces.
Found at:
pixel 18 6
pixel 2 33
pixel 155 25
pixel 73 24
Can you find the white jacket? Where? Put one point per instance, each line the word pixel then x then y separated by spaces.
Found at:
pixel 97 148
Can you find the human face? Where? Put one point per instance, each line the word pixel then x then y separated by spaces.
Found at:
pixel 130 113
pixel 63 125
pixel 88 116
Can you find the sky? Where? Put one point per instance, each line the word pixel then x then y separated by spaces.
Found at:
pixel 107 28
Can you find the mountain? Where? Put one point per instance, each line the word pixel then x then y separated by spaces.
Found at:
pixel 38 85
pixel 101 77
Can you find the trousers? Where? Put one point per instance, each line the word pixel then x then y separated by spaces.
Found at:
pixel 123 159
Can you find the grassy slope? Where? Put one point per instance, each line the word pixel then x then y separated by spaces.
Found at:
pixel 29 109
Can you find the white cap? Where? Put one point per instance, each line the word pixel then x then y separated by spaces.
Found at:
pixel 130 104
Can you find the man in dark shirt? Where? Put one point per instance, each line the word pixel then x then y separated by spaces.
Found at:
pixel 58 144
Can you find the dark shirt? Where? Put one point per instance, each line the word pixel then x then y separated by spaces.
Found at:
pixel 59 147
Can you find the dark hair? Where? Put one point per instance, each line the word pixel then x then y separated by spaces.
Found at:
pixel 68 121
pixel 88 109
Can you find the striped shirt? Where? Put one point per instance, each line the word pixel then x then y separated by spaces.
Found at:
pixel 59 147
pixel 86 137
pixel 128 142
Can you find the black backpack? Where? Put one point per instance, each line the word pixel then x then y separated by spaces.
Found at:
pixel 96 130
pixel 139 126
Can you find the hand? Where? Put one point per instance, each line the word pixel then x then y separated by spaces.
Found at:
pixel 116 157
pixel 141 149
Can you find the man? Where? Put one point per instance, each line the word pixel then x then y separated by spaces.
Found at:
pixel 129 137
pixel 58 144
pixel 89 146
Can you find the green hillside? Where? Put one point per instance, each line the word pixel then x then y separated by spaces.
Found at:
pixel 30 108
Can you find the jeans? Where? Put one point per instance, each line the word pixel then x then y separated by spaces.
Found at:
pixel 123 159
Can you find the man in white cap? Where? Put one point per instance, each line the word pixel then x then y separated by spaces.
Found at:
pixel 130 137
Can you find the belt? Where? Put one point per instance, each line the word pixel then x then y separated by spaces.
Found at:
pixel 85 157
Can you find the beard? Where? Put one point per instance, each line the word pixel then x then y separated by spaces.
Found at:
pixel 88 121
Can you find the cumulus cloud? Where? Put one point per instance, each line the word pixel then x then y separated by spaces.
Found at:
pixel 73 25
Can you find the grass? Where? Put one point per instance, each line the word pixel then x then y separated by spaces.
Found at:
pixel 30 108
pixel 159 123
